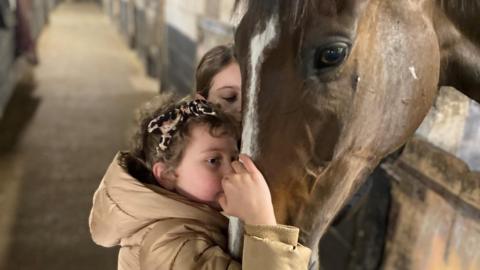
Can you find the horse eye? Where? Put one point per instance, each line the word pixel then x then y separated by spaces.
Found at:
pixel 330 56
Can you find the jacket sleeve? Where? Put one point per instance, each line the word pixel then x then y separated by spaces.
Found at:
pixel 274 247
pixel 265 248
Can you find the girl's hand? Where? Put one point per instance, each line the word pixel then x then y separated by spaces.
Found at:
pixel 246 194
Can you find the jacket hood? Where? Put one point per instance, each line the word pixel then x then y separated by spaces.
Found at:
pixel 122 205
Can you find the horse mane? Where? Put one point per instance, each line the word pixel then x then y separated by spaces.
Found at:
pixel 464 6
pixel 464 14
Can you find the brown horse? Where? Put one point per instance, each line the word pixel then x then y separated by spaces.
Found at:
pixel 333 86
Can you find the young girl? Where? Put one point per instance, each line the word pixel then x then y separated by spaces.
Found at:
pixel 168 217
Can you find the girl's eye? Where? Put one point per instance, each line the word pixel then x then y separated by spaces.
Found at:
pixel 230 99
pixel 213 161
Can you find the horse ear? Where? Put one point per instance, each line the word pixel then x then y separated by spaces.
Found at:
pixel 163 175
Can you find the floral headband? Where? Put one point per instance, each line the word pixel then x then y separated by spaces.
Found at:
pixel 167 123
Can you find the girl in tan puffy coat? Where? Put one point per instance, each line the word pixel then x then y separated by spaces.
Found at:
pixel 162 201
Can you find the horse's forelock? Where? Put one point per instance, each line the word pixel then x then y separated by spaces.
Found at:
pixel 296 9
pixel 291 11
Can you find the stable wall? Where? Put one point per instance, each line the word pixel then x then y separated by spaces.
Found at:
pixel 170 36
pixel 7 52
pixel 9 71
pixel 434 220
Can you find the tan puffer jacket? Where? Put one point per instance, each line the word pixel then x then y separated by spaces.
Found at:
pixel 158 229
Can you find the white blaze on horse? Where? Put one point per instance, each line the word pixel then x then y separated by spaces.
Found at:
pixel 333 86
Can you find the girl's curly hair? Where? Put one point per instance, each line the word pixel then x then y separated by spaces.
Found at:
pixel 144 153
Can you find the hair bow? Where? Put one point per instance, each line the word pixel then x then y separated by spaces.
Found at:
pixel 167 124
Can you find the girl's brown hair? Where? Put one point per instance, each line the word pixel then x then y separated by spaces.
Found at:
pixel 211 63
pixel 145 152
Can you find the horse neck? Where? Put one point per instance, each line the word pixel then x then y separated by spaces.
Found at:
pixel 464 14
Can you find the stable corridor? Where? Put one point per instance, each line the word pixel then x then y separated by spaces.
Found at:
pixel 61 129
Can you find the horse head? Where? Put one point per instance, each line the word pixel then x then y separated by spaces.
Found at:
pixel 333 86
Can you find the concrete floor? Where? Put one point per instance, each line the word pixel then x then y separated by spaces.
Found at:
pixel 59 133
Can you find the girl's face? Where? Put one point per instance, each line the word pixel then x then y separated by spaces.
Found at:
pixel 206 160
pixel 226 90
